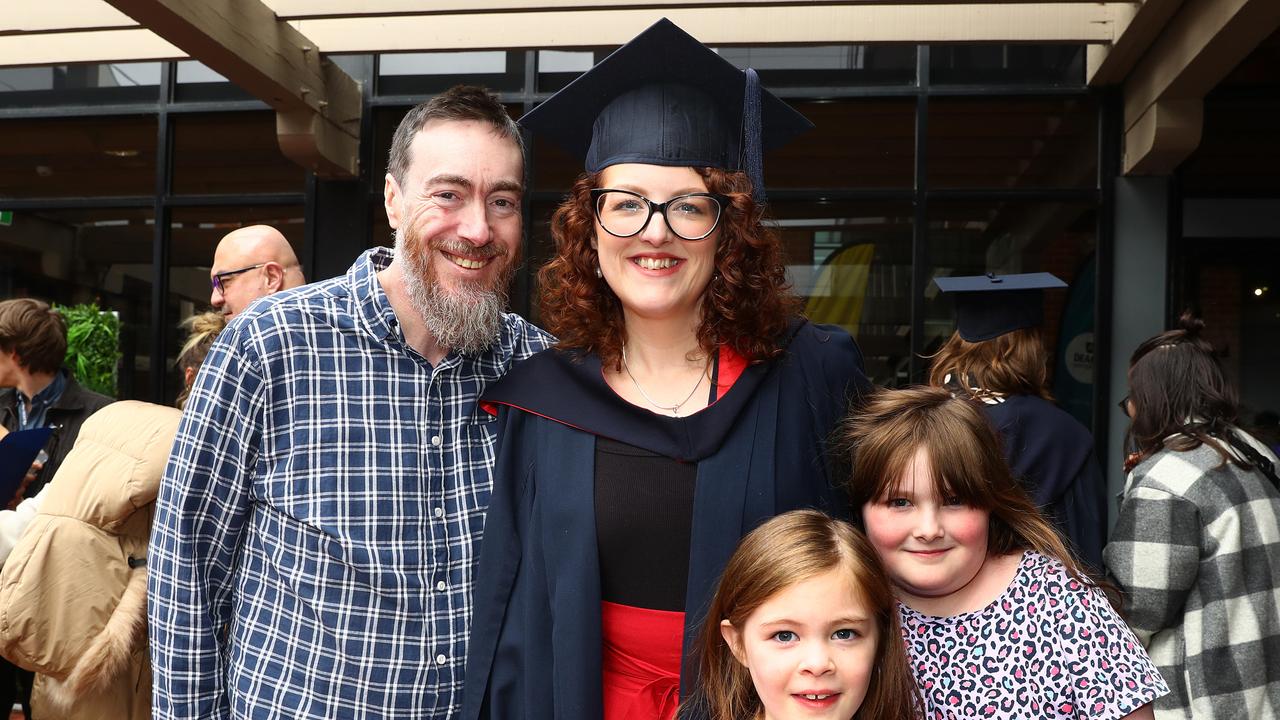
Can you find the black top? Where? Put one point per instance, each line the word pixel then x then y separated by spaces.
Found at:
pixel 644 523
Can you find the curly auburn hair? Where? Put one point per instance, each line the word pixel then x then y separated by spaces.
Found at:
pixel 746 306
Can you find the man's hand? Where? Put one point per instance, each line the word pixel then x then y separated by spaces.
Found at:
pixel 30 477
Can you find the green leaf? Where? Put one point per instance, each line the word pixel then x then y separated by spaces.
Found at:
pixel 93 346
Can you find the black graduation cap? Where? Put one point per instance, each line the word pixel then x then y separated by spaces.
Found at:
pixel 988 306
pixel 666 99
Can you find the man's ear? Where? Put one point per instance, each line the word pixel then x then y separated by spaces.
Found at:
pixel 392 197
pixel 275 276
pixel 733 638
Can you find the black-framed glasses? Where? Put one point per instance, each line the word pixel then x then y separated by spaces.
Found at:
pixel 219 280
pixel 1124 406
pixel 624 214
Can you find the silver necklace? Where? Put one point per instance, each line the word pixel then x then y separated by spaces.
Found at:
pixel 673 409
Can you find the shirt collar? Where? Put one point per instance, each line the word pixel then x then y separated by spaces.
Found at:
pixel 373 308
pixel 42 401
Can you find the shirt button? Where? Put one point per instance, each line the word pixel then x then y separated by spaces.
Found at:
pixel 441 659
pixel 439 512
pixel 441 586
pixel 435 440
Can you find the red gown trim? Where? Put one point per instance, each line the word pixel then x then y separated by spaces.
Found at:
pixel 641 662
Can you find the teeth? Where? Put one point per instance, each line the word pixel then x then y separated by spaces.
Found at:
pixel 656 263
pixel 467 262
pixel 816 697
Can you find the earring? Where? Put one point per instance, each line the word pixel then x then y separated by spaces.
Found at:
pixel 598 273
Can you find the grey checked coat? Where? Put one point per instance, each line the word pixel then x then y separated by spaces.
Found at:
pixel 1197 551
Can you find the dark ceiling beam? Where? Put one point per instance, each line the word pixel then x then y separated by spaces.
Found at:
pixel 318 106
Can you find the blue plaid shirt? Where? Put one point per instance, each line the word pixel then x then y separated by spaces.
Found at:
pixel 314 542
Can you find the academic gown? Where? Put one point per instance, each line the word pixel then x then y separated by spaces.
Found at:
pixel 1052 454
pixel 536 644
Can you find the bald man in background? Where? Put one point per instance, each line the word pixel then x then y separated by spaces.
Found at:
pixel 250 263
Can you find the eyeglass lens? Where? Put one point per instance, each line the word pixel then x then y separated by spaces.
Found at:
pixel 218 281
pixel 691 217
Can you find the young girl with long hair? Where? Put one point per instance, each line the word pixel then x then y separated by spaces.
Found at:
pixel 999 619
pixel 803 625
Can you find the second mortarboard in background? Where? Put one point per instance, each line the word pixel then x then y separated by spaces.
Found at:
pixel 666 99
pixel 988 306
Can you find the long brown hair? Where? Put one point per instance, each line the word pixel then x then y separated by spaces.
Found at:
pixel 1014 363
pixel 746 306
pixel 967 461
pixel 1181 397
pixel 788 549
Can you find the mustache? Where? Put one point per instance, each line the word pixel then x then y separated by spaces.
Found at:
pixel 465 249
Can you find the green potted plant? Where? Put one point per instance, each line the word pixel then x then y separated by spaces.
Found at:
pixel 93 346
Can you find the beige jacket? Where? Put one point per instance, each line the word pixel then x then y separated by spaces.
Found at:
pixel 72 604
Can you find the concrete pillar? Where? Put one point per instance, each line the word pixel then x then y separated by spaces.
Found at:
pixel 1140 290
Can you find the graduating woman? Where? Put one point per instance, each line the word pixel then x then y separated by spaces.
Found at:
pixel 685 404
pixel 996 356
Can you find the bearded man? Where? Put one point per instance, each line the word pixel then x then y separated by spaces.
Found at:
pixel 318 522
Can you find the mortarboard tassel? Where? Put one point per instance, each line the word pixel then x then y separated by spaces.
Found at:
pixel 751 142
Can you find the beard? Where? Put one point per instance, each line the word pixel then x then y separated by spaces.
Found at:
pixel 466 318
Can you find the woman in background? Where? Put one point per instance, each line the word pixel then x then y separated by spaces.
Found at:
pixel 1195 547
pixel 202 330
pixel 997 357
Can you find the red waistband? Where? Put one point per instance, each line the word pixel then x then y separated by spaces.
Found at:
pixel 641 661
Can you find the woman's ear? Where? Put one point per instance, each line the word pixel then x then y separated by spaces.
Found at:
pixel 733 638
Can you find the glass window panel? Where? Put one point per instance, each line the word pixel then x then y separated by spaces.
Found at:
pixel 78 157
pixel 98 256
pixel 80 84
pixel 231 153
pixel 196 81
pixel 557 68
pixel 862 143
pixel 418 73
pixel 1002 142
pixel 820 65
pixel 194 235
pixel 1233 284
pixel 850 262
pixel 971 64
pixel 1005 237
pixel 1239 149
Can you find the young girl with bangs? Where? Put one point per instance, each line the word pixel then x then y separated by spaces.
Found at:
pixel 803 625
pixel 999 619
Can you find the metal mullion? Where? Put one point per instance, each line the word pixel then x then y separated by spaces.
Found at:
pixel 78 203
pixel 236 199
pixel 144 109
pixel 1109 132
pixel 920 222
pixel 1049 194
pixel 160 241
pixel 524 282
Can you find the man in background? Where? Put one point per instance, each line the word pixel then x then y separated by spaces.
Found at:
pixel 250 263
pixel 37 391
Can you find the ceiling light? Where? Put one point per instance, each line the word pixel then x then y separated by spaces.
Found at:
pixel 121 153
